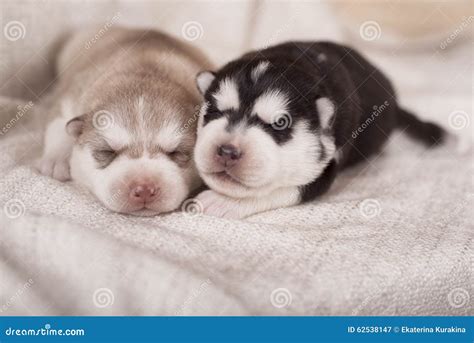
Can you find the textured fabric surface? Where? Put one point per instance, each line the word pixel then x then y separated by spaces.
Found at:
pixel 392 237
pixel 401 253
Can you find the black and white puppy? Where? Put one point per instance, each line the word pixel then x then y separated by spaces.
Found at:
pixel 277 125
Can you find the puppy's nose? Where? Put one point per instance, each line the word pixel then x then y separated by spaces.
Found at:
pixel 228 154
pixel 143 193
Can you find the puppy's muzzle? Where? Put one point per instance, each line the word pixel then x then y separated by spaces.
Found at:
pixel 228 155
pixel 141 194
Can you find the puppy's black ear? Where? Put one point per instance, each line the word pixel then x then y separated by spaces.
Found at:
pixel 204 80
pixel 326 110
pixel 75 126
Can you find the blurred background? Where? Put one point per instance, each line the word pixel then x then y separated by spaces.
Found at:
pixel 424 46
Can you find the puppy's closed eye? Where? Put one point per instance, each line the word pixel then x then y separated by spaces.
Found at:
pixel 104 156
pixel 179 156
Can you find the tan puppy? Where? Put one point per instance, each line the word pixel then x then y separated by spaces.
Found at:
pixel 125 107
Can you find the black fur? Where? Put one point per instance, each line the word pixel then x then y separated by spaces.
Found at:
pixel 307 71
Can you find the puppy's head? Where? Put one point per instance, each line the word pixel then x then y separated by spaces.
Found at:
pixel 258 132
pixel 135 153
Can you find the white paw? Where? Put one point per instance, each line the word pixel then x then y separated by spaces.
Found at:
pixel 56 168
pixel 218 205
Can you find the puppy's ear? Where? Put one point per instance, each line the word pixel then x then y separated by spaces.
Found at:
pixel 326 110
pixel 75 126
pixel 204 80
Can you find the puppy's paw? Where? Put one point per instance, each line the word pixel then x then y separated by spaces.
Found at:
pixel 56 168
pixel 218 205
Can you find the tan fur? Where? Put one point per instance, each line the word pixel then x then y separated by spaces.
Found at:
pixel 124 64
pixel 144 82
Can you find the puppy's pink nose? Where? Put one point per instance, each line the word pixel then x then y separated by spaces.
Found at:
pixel 228 155
pixel 143 193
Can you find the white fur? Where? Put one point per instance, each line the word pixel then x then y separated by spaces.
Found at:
pixel 227 96
pixel 204 80
pixel 67 109
pixel 62 160
pixel 219 205
pixel 270 105
pixel 117 137
pixel 259 70
pixel 300 164
pixel 143 111
pixel 169 136
pixel 112 184
pixel 210 136
pixel 57 149
pixel 268 166
pixel 326 109
pixel 322 58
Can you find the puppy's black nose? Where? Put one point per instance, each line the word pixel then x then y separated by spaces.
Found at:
pixel 228 151
pixel 228 154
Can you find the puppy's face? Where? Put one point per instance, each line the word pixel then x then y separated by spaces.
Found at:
pixel 135 157
pixel 256 133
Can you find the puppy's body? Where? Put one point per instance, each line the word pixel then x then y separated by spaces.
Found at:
pixel 278 124
pixel 123 125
